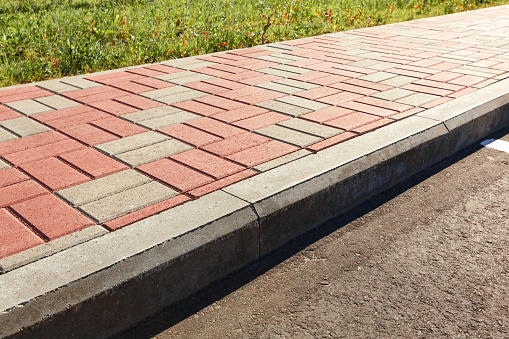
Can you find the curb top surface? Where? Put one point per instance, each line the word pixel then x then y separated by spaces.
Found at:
pixel 107 150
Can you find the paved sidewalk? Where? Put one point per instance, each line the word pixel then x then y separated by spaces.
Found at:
pixel 82 157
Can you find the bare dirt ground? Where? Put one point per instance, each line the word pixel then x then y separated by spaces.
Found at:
pixel 429 258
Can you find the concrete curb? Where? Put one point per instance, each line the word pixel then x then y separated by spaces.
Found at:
pixel 108 283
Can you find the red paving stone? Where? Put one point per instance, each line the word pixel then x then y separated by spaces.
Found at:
pixel 225 148
pixel 51 216
pixel 92 162
pixel 190 135
pixel 14 236
pixel 208 163
pixel 175 175
pixel 54 174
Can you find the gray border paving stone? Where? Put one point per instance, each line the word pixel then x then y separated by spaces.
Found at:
pixel 29 107
pixel 146 154
pixel 99 188
pixel 24 126
pixel 49 248
pixel 57 102
pixel 130 200
pixel 406 114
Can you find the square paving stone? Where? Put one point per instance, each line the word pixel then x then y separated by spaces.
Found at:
pixel 130 200
pixel 289 135
pixel 152 152
pixel 24 126
pixel 29 107
pixel 99 188
pixel 57 102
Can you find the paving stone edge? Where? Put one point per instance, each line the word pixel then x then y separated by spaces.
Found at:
pixel 109 283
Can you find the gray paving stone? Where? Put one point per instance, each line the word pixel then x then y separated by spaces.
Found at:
pixel 282 160
pixel 182 96
pixel 102 187
pixel 398 81
pixel 185 77
pixel 378 76
pixel 168 120
pixel 452 60
pixel 383 65
pixel 477 71
pixel 277 72
pixel 280 46
pixel 150 113
pixel 356 52
pixel 6 135
pixel 165 92
pixel 152 152
pixel 57 86
pixel 293 69
pixel 407 114
pixel 127 201
pixel 484 83
pixel 57 102
pixel 311 128
pixel 3 165
pixel 289 135
pixel 24 126
pixel 280 58
pixel 273 86
pixel 418 99
pixel 80 82
pixel 29 107
pixel 132 142
pixel 296 83
pixel 301 102
pixel 188 63
pixel 364 62
pixel 284 108
pixel 393 94
pixel 352 44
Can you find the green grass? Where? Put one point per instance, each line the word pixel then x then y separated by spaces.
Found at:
pixel 43 39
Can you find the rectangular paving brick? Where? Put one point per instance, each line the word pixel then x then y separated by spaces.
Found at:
pixel 143 155
pixel 54 174
pixel 145 212
pixel 285 108
pixel 220 102
pixel 41 152
pixel 262 120
pixel 326 114
pixel 262 153
pixel 62 113
pixel 153 83
pixel 119 127
pixel 280 88
pixel 302 102
pixel 198 108
pixel 93 163
pixel 3 165
pixel 235 144
pixel 240 113
pixel 310 128
pixel 10 175
pixel 77 119
pixel 317 93
pixel 288 135
pixel 395 106
pixel 7 113
pixel 338 98
pixel 138 102
pixel 127 201
pixel 19 192
pixel 190 135
pixel 22 144
pixel 218 184
pixel 132 87
pixel 331 141
pixel 372 126
pixel 102 187
pixel 14 236
pixel 176 175
pixel 132 142
pixel 51 216
pixel 351 121
pixel 113 107
pixel 418 99
pixel 24 126
pixel 361 107
pixel 282 160
pixel 29 107
pixel 208 163
pixel 57 86
pixel 149 113
pixel 57 102
pixel 88 134
pixel 215 127
pixel 6 135
pixel 80 82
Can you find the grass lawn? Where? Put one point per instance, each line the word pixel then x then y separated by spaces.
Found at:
pixel 43 39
